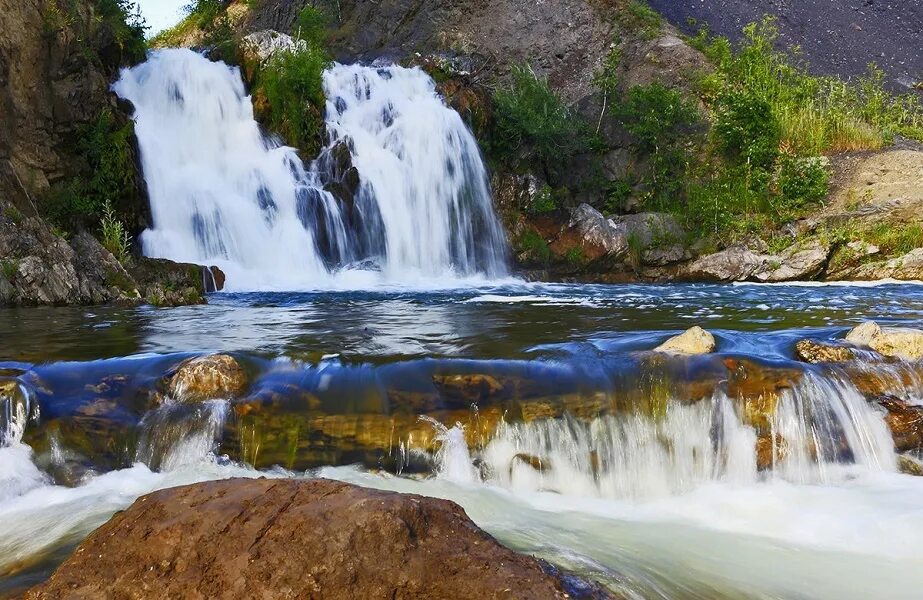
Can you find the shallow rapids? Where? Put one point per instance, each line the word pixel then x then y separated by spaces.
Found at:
pixel 742 474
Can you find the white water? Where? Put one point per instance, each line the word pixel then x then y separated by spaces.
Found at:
pixel 665 513
pixel 222 193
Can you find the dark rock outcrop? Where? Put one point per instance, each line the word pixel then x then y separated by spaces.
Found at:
pixel 300 539
pixel 166 283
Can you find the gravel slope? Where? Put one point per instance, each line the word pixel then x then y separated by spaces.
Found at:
pixel 836 36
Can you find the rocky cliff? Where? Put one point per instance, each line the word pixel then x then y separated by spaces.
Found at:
pixel 57 118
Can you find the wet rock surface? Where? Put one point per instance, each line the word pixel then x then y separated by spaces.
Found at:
pixel 897 342
pixel 216 376
pixel 816 352
pixel 286 538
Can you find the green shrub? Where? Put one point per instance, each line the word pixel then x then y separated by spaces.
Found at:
pixel 746 129
pixel 535 247
pixel 800 182
pixel 637 15
pixel 816 115
pixel 290 85
pixel 9 268
pixel 660 120
pixel 311 25
pixel 127 26
pixel 544 202
pixel 106 147
pixel 531 121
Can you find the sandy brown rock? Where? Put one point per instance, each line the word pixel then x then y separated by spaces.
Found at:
pixel 897 342
pixel 692 341
pixel 294 539
pixel 208 378
pixel 817 352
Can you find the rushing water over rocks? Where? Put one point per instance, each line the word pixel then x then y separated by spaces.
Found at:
pixel 223 193
pixel 664 476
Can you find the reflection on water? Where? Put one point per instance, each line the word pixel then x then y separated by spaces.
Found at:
pixel 499 322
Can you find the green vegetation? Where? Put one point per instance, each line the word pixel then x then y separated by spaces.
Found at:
pixel 115 22
pixel 766 123
pixel 637 15
pixel 535 247
pixel 114 237
pixel 106 147
pixel 290 95
pixel 533 125
pixel 9 268
pixel 816 115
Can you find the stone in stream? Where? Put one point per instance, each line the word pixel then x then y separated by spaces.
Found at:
pixel 693 341
pixel 905 421
pixel 216 376
pixel 910 465
pixel 275 538
pixel 897 342
pixel 817 352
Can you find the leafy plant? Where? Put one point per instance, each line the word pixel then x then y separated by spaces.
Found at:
pixel 535 247
pixel 9 268
pixel 291 95
pixel 746 129
pixel 114 237
pixel 531 121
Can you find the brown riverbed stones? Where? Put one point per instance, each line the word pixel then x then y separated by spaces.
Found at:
pixel 282 538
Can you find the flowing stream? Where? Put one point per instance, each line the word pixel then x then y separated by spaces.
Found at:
pixel 410 361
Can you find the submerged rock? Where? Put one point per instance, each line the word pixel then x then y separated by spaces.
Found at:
pixel 693 341
pixel 816 352
pixel 208 378
pixel 905 421
pixel 263 538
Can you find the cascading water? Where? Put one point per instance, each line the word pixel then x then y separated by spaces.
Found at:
pixel 424 203
pixel 822 429
pixel 222 193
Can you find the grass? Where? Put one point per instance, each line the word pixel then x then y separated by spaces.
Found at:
pixel 9 268
pixel 535 247
pixel 816 115
pixel 114 237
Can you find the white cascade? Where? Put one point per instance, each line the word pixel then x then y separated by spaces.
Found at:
pixel 223 193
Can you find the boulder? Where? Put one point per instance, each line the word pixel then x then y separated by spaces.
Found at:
pixel 897 342
pixel 733 264
pixel 599 236
pixel 692 341
pixel 799 262
pixel 863 334
pixel 259 47
pixel 817 352
pixel 166 283
pixel 207 378
pixel 910 465
pixel 277 538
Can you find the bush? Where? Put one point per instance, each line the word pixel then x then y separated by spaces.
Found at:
pixel 535 247
pixel 291 91
pixel 311 25
pixel 128 27
pixel 660 119
pixel 800 182
pixel 106 147
pixel 531 121
pixel 746 129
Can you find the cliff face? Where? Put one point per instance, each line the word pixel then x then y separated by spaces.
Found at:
pixel 49 86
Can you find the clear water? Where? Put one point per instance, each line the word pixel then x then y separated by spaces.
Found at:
pixel 698 522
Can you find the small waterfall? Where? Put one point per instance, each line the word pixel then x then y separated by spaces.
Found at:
pixel 222 193
pixel 175 435
pixel 821 430
pixel 424 202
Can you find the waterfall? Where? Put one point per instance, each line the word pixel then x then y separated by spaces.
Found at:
pixel 424 203
pixel 223 193
pixel 823 431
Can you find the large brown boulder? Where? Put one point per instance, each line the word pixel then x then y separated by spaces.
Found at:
pixel 262 538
